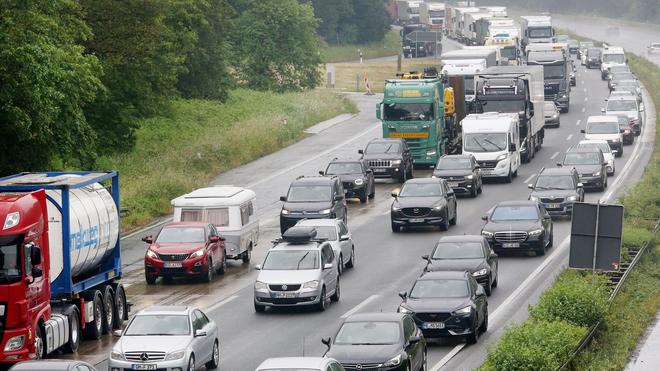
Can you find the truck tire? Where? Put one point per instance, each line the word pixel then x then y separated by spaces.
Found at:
pixel 247 254
pixel 109 309
pixel 74 332
pixel 39 342
pixel 94 329
pixel 122 306
pixel 222 268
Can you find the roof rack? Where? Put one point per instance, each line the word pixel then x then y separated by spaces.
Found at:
pixel 300 235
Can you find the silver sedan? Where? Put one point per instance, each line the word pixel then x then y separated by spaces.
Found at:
pixel 171 338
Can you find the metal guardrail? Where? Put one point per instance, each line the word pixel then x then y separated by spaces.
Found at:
pixel 620 279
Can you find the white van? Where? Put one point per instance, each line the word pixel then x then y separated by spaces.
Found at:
pixel 230 209
pixel 605 128
pixel 492 138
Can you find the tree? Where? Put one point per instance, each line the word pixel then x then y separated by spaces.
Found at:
pixel 336 20
pixel 278 46
pixel 47 80
pixel 371 20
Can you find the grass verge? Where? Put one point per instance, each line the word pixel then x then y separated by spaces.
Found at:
pixel 350 76
pixel 200 139
pixel 390 45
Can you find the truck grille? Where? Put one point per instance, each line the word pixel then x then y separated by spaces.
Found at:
pixel 284 287
pixel 487 164
pixel 510 236
pixel 380 163
pixel 140 356
pixel 416 211
pixel 173 257
pixel 432 317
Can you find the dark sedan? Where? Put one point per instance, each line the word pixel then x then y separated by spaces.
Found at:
pixel 379 341
pixel 518 226
pixel 465 253
pixel 389 158
pixel 557 189
pixel 447 304
pixel 424 201
pixel 590 164
pixel 461 173
pixel 356 178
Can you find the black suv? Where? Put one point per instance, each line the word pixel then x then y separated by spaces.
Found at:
pixel 593 58
pixel 461 173
pixel 590 165
pixel 423 201
pixel 313 198
pixel 557 189
pixel 389 158
pixel 356 177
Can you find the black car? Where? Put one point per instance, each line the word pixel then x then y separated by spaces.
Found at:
pixel 424 201
pixel 557 189
pixel 465 253
pixel 461 172
pixel 590 165
pixel 628 129
pixel 573 46
pixel 313 198
pixel 356 177
pixel 379 341
pixel 593 57
pixel 447 304
pixel 389 158
pixel 518 226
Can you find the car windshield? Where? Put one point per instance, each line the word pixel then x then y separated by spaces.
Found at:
pixel 383 147
pixel 439 288
pixel 286 260
pixel 454 164
pixel 181 235
pixel 458 250
pixel 326 232
pixel 484 142
pixel 163 324
pixel 604 127
pixel 10 267
pixel 408 111
pixel 623 76
pixel 622 105
pixel 603 146
pixel 554 182
pixel 368 333
pixel 309 193
pixel 582 158
pixel 504 213
pixel 515 106
pixel 421 190
pixel 551 71
pixel 540 32
pixel 339 168
pixel 549 108
pixel 614 58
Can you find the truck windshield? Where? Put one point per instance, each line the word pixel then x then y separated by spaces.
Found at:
pixel 506 106
pixel 614 58
pixel 10 267
pixel 484 142
pixel 553 71
pixel 408 111
pixel 508 52
pixel 540 32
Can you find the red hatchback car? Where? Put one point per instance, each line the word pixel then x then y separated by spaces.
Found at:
pixel 185 249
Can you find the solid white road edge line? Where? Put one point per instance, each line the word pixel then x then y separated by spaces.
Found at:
pixel 579 121
pixel 554 155
pixel 569 137
pixel 530 178
pixel 221 303
pixel 359 306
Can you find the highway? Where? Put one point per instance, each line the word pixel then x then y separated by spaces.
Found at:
pixel 386 263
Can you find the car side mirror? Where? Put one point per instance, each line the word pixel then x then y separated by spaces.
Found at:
pixel 338 197
pixel 641 109
pixel 530 186
pixel 395 194
pixel 622 131
pixel 481 291
pixel 321 172
pixel 602 110
pixel 35 255
pixel 559 164
pixel 360 151
pixel 403 295
pixel 477 167
pixel 214 239
pixel 414 339
pixel 580 185
pixel 344 237
pixel 148 239
pixel 200 333
pixel 283 198
pixel 257 267
pixel 450 192
pixel 615 151
pixel 369 171
pixel 521 115
pixel 582 131
pixel 605 163
pixel 484 217
pixel 493 254
pixel 426 257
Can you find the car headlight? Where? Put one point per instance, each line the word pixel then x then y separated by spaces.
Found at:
pixel 117 355
pixel 480 272
pixel 393 362
pixel 324 212
pixel 359 181
pixel 311 284
pixel 501 157
pixel 615 140
pixel 487 234
pixel 439 207
pixel 197 253
pixel 564 96
pixel 534 198
pixel 597 173
pixel 15 343
pixel 152 254
pixel 403 309
pixel 178 354
pixel 470 176
pixel 259 286
pixel 463 311
pixel 285 212
pixel 571 198
pixel 396 162
pixel 536 232
pixel 395 208
pixel 554 116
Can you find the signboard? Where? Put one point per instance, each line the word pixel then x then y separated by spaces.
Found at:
pixel 596 231
pixel 424 36
pixel 409 134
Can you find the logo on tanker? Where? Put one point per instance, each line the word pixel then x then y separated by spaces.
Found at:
pixel 85 238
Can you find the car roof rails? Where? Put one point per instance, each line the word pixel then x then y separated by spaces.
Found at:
pixel 300 235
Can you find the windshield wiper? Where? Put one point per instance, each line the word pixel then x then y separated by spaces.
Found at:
pixel 479 144
pixel 301 260
pixel 494 145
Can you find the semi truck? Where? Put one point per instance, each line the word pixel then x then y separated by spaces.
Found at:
pixel 466 63
pixel 535 29
pixel 515 89
pixel 507 40
pixel 432 15
pixel 414 109
pixel 556 74
pixel 469 31
pixel 61 262
pixel 408 11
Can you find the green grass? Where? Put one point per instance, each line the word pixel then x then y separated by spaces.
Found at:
pixel 391 45
pixel 201 139
pixel 347 74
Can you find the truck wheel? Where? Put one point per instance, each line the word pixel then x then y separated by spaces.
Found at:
pixel 247 254
pixel 39 343
pixel 208 275
pixel 74 332
pixel 109 309
pixel 121 305
pixel 94 329
pixel 223 265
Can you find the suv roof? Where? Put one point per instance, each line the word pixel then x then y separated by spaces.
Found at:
pixel 457 156
pixel 315 180
pixel 557 171
pixel 345 160
pixel 622 97
pixel 587 149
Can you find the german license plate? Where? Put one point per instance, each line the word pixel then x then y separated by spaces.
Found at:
pixel 171 265
pixel 285 295
pixel 148 366
pixel 417 220
pixel 552 206
pixel 380 170
pixel 511 245
pixel 486 172
pixel 453 184
pixel 434 325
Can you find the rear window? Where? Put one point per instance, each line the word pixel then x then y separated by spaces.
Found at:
pixel 602 127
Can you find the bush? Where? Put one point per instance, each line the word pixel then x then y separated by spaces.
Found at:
pixel 574 298
pixel 635 237
pixel 535 345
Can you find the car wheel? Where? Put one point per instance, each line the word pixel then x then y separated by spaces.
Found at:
pixel 453 220
pixel 495 280
pixel 373 190
pixel 223 266
pixel 474 191
pixel 541 250
pixel 620 153
pixel 259 308
pixel 481 187
pixel 191 363
pixel 151 280
pixel 484 324
pixel 396 228
pixel 425 362
pixel 551 241
pixel 411 175
pixel 404 175
pixel 445 222
pixel 340 266
pixel 363 196
pixel 208 275
pixel 335 297
pixel 215 357
pixel 488 288
pixel 321 305
pixel 509 177
pixel 351 262
pixel 474 336
pixel 247 254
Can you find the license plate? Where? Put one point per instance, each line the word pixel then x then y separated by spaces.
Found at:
pixel 453 184
pixel 417 220
pixel 285 295
pixel 486 172
pixel 511 245
pixel 552 206
pixel 173 265
pixel 377 170
pixel 149 366
pixel 434 325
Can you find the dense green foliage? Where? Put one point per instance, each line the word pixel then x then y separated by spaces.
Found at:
pixel 351 21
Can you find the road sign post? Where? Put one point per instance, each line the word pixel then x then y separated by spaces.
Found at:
pixel 596 231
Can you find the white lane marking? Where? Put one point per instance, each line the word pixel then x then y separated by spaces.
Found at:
pixel 554 155
pixel 586 99
pixel 569 137
pixel 359 306
pixel 530 178
pixel 584 110
pixel 582 82
pixel 579 121
pixel 449 356
pixel 221 303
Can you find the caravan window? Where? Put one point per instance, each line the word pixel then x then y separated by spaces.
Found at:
pixel 218 217
pixel 245 214
pixel 191 215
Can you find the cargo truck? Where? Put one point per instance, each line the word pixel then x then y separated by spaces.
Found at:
pixel 535 29
pixel 61 262
pixel 470 26
pixel 557 71
pixel 432 15
pixel 515 89
pixel 466 63
pixel 507 40
pixel 408 11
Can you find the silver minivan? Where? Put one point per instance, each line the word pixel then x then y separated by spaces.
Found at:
pixel 299 270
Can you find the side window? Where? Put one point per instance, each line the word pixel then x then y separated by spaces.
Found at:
pixel 408 327
pixel 191 215
pixel 327 255
pixel 245 214
pixel 217 217
pixel 203 319
pixel 196 321
pixel 343 230
pixel 250 208
pixel 334 366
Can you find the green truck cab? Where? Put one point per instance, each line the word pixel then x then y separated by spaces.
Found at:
pixel 414 110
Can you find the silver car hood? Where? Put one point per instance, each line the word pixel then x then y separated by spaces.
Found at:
pixel 288 276
pixel 152 343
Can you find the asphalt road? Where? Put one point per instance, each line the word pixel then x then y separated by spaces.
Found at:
pixel 386 263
